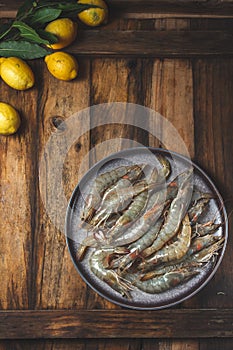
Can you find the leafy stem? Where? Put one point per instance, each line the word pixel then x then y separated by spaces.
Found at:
pixel 28 26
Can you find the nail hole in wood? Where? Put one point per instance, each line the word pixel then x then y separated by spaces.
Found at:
pixel 78 146
pixel 58 123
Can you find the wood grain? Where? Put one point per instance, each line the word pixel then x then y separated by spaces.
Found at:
pixel 56 281
pixel 135 43
pixel 205 323
pixel 152 63
pixel 18 174
pixel 150 8
pixel 213 152
pixel 171 95
pixel 72 344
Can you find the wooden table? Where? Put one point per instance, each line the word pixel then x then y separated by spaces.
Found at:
pixel 174 57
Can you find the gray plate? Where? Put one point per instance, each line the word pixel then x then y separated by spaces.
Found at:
pixel 75 235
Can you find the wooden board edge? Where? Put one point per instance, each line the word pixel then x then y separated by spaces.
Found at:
pixel 81 324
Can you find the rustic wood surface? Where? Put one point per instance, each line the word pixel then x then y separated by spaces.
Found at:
pixel 205 323
pixel 151 8
pixel 177 79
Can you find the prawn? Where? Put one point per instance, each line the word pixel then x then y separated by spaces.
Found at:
pixel 137 247
pixel 197 209
pixel 206 228
pixel 119 196
pixel 175 215
pixel 140 227
pixel 99 262
pixel 194 257
pixel 200 243
pixel 101 183
pixel 164 282
pixel 99 238
pixel 197 195
pixel 173 251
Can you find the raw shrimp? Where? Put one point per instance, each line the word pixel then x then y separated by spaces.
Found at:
pixel 140 227
pixel 200 243
pixel 118 197
pixel 197 195
pixel 198 209
pixel 206 254
pixel 165 170
pixel 161 270
pixel 169 280
pixel 173 251
pixel 175 215
pixel 101 238
pixel 137 247
pixel 128 217
pixel 194 257
pixel 206 228
pixel 99 266
pixel 101 183
pixel 113 201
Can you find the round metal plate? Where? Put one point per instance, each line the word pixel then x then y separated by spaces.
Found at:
pixel 74 234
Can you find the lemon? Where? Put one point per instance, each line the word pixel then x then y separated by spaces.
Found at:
pixel 94 16
pixel 2 59
pixel 64 29
pixel 62 65
pixel 9 119
pixel 17 73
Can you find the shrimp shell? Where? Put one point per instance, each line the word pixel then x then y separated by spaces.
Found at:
pixel 175 215
pixel 141 226
pixel 204 229
pixel 173 251
pixel 137 247
pixel 167 281
pixel 99 266
pixel 101 183
pixel 198 209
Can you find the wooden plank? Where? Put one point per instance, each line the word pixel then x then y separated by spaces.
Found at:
pixel 216 344
pixel 213 109
pixel 113 80
pixel 72 344
pixel 150 43
pixel 150 8
pixel 185 345
pixel 171 95
pixel 66 138
pixel 203 323
pixel 17 208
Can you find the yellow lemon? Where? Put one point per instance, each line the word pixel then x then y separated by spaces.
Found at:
pixel 2 59
pixel 94 16
pixel 17 74
pixel 64 29
pixel 62 65
pixel 9 119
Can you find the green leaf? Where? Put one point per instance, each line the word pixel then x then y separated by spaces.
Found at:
pixel 43 16
pixel 47 36
pixel 26 7
pixel 65 6
pixel 22 49
pixel 29 33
